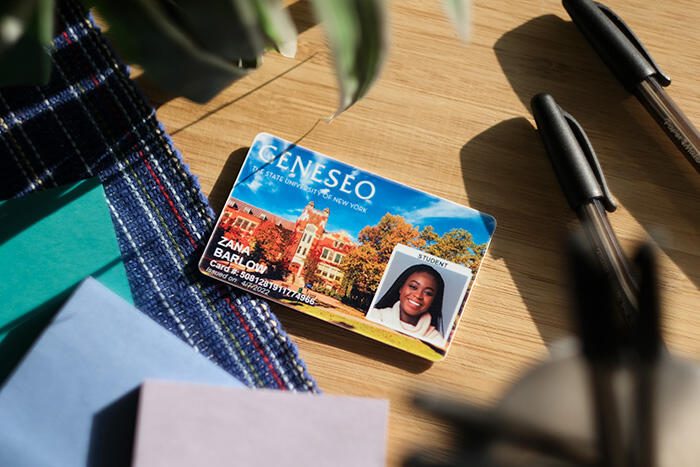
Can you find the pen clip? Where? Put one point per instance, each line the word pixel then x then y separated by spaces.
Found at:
pixel 661 77
pixel 592 159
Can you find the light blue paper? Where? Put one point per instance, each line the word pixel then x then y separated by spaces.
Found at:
pixel 96 350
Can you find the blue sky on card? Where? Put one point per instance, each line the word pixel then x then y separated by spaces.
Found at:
pixel 283 185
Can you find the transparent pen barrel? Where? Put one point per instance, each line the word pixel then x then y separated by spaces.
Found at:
pixel 671 119
pixel 612 258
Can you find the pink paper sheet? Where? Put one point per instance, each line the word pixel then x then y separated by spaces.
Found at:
pixel 184 424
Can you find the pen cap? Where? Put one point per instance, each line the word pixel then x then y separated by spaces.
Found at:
pixel 614 42
pixel 577 179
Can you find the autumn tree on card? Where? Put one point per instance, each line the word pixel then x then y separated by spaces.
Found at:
pixel 267 243
pixel 363 267
pixel 233 233
pixel 312 258
pixel 457 246
pixel 384 236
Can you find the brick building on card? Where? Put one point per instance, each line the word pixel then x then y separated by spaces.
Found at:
pixel 307 237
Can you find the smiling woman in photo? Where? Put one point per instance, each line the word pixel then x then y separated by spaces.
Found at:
pixel 413 304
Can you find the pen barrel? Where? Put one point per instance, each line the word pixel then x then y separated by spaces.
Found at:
pixel 676 125
pixel 607 416
pixel 613 260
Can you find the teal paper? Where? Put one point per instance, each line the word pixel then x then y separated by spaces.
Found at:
pixel 49 242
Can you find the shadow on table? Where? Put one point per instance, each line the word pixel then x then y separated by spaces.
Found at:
pixel 548 54
pixel 224 182
pixel 302 14
pixel 521 192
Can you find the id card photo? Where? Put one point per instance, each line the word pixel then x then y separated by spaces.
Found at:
pixel 420 295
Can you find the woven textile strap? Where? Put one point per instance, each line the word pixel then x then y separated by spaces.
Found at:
pixel 90 120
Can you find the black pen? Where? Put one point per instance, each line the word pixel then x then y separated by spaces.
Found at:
pixel 601 347
pixel 586 190
pixel 630 62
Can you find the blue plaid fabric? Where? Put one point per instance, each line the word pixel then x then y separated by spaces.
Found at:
pixel 90 120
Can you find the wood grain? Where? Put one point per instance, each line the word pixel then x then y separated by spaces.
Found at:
pixel 453 119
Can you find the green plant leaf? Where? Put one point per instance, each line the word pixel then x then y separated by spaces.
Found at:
pixel 226 28
pixel 154 36
pixel 276 25
pixel 26 28
pixel 459 12
pixel 356 30
pixel 15 16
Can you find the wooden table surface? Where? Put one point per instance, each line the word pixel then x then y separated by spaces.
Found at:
pixel 454 119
